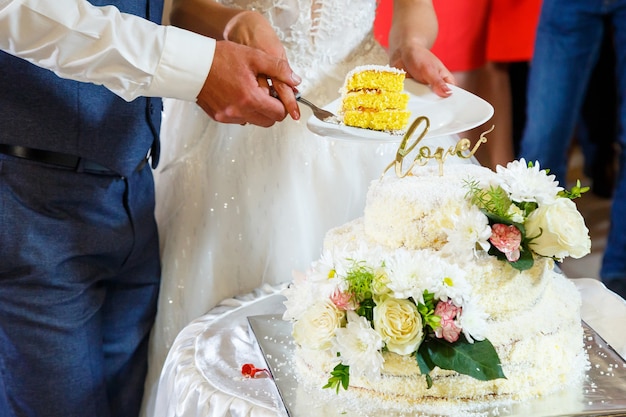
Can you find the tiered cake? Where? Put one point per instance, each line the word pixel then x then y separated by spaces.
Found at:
pixel 445 292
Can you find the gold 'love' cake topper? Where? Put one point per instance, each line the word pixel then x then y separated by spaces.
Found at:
pixel 463 149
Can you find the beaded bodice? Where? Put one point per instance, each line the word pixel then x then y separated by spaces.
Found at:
pixel 323 39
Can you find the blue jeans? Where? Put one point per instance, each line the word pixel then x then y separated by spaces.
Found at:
pixel 79 278
pixel 569 36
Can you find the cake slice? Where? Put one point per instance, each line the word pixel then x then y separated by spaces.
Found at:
pixel 373 97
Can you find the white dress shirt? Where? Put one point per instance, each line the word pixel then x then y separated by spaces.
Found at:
pixel 129 55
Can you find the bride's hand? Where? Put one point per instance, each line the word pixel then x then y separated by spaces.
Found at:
pixel 252 29
pixel 424 67
pixel 413 31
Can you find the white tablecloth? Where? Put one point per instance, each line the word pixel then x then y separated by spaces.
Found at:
pixel 202 374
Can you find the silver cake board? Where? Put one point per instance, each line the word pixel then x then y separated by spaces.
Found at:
pixel 603 393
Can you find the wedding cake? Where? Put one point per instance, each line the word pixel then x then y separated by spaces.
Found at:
pixel 445 292
pixel 373 97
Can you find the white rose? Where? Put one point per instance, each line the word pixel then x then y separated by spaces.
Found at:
pixel 400 325
pixel 316 327
pixel 561 230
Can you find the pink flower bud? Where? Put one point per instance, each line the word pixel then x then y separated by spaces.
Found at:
pixel 507 239
pixel 447 329
pixel 342 300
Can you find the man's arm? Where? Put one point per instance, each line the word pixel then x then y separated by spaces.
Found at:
pixel 134 57
pixel 205 17
pixel 128 55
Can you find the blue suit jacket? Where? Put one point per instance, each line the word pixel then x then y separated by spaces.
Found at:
pixel 40 110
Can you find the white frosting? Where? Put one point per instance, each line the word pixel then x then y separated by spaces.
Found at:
pixel 533 316
pixel 411 212
pixel 369 67
pixel 372 67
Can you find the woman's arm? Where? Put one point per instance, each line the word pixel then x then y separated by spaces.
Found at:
pixel 413 31
pixel 202 16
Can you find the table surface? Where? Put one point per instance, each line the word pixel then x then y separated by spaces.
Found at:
pixel 198 382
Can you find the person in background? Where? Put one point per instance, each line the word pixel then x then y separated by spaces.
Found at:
pixel 79 258
pixel 510 44
pixel 569 39
pixel 480 42
pixel 597 129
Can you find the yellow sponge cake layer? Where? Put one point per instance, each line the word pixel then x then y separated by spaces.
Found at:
pixel 374 100
pixel 375 77
pixel 377 120
pixel 373 97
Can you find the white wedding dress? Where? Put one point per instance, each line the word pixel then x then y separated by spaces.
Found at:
pixel 242 206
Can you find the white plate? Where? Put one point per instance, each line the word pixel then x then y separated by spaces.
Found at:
pixel 454 114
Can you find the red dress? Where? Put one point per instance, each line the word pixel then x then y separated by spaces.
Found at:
pixel 471 32
pixel 512 27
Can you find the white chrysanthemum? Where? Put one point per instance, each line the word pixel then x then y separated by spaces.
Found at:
pixel 471 229
pixel 359 347
pixel 374 258
pixel 323 268
pixel 344 262
pixel 299 298
pixel 450 283
pixel 473 321
pixel 411 272
pixel 528 184
pixel 306 289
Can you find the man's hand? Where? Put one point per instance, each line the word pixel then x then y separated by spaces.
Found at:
pixel 232 92
pixel 252 29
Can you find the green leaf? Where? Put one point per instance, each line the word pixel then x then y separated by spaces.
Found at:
pixel 339 377
pixel 359 279
pixel 575 192
pixel 478 360
pixel 493 200
pixel 427 310
pixel 366 309
pixel 525 261
pixel 527 207
pixel 495 219
pixel 425 365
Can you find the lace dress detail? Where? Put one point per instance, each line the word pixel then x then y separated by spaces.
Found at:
pixel 324 39
pixel 241 206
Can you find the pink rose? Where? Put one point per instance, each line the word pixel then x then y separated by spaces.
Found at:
pixel 447 329
pixel 342 300
pixel 507 239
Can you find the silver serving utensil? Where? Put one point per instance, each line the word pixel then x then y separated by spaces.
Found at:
pixel 321 114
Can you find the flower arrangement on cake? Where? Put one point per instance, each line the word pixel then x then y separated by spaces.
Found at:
pixel 359 305
pixel 529 215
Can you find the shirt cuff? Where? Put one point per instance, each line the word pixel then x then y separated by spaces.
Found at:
pixel 184 65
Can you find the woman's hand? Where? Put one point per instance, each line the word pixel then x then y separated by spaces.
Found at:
pixel 424 67
pixel 413 31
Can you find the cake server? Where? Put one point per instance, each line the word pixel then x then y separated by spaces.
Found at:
pixel 321 114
